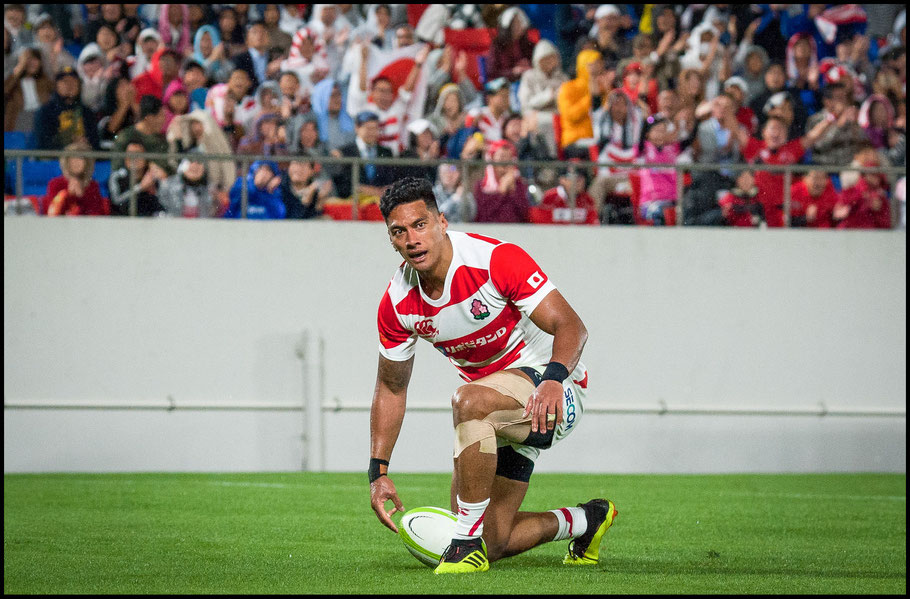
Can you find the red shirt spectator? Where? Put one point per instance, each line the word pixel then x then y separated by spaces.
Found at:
pixel 74 192
pixel 164 69
pixel 865 205
pixel 771 185
pixel 812 199
pixel 740 205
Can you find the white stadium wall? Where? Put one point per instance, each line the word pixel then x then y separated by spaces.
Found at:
pixel 105 314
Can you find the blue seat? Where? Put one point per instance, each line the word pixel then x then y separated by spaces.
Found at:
pixel 102 174
pixel 15 140
pixel 36 174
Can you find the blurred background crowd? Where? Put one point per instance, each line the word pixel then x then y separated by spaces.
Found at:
pixel 654 84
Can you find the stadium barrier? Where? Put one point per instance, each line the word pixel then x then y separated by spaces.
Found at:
pixel 18 155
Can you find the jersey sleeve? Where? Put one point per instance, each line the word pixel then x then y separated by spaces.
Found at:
pixel 395 342
pixel 518 277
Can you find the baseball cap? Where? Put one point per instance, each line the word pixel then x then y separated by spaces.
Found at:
pixel 494 86
pixel 364 116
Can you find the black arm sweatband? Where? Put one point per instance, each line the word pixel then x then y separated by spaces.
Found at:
pixel 374 472
pixel 555 372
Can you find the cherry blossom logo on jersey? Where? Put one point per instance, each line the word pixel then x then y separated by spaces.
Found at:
pixel 479 310
pixel 425 328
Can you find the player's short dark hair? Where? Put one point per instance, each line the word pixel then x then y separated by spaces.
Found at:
pixel 405 191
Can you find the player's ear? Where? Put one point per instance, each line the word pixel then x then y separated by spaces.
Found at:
pixel 443 222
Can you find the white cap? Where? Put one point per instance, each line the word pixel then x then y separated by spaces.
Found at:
pixel 606 10
pixel 420 125
pixel 738 82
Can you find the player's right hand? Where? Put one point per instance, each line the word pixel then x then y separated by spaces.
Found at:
pixel 381 490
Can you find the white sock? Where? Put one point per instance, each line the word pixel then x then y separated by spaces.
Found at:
pixel 470 519
pixel 572 523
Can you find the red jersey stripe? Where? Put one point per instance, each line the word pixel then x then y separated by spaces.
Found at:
pixel 470 373
pixel 465 283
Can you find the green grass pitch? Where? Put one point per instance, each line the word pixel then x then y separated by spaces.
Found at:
pixel 309 533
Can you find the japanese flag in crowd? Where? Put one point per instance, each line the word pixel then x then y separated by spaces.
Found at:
pixel 394 65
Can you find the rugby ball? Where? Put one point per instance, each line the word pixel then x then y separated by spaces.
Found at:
pixel 426 532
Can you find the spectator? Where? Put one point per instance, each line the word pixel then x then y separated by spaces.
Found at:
pixel 840 143
pixel 336 127
pixel 271 15
pixel 146 177
pixel 605 35
pixel 25 90
pixel 147 44
pixel 511 51
pixel 174 27
pixel 293 100
pixel 14 23
pixel 502 195
pixel 110 16
pixel 737 88
pixel 876 117
pixel 812 199
pixel 454 199
pixel 539 88
pixel 442 71
pixel 704 53
pixel 618 131
pixel 64 119
pixel 74 192
pixel 265 101
pixel 112 47
pixel 225 102
pixel 176 102
pixel 575 99
pixel 658 186
pixel 383 36
pixel 148 131
pixel 572 28
pixel 773 148
pixel 782 105
pixel 449 115
pixel 387 103
pixel 775 82
pixel 164 68
pixel 255 60
pixel 209 51
pixel 195 79
pixel 522 131
pixel 423 145
pixel 802 70
pixel 865 205
pixel 558 197
pixel 740 205
pixel 639 85
pixel 668 44
pixel 716 140
pixel 263 196
pixel 48 38
pixel 865 153
pixel 93 70
pixel 308 59
pixel 490 118
pixel 264 139
pixel 302 192
pixel 119 110
pixel 691 94
pixel 750 62
pixel 198 131
pixel 231 32
pixel 188 193
pixel 303 136
pixel 373 177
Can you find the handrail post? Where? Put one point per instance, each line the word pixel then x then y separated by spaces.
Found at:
pixel 355 183
pixel 572 200
pixel 18 184
pixel 788 178
pixel 244 192
pixel 133 208
pixel 680 178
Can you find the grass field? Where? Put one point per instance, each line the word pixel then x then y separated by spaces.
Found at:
pixel 309 533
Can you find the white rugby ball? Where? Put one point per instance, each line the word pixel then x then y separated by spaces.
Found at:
pixel 426 532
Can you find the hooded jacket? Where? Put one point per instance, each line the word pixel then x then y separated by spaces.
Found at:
pixel 92 88
pixel 261 203
pixel 220 69
pixel 142 63
pixel 220 173
pixel 173 87
pixel 877 135
pixel 574 101
pixel 342 123
pixel 537 90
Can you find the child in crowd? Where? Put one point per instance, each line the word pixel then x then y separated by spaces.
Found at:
pixel 658 185
pixel 188 193
pixel 865 205
pixel 263 196
pixel 145 184
pixel 74 192
pixel 740 205
pixel 811 201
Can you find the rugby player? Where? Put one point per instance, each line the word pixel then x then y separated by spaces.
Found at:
pixel 490 309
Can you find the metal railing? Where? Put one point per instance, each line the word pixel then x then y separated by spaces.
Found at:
pixel 573 167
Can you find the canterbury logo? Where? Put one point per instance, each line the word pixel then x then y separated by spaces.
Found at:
pixel 425 328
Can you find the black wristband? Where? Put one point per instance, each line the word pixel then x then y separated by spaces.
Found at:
pixel 374 472
pixel 555 372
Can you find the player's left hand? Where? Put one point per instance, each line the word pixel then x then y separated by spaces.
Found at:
pixel 545 406
pixel 382 490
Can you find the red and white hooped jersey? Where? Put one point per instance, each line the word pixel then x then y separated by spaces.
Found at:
pixel 481 321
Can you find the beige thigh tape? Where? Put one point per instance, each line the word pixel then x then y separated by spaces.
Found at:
pixel 473 431
pixel 509 384
pixel 505 424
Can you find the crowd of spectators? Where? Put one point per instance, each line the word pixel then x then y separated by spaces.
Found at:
pixel 656 84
